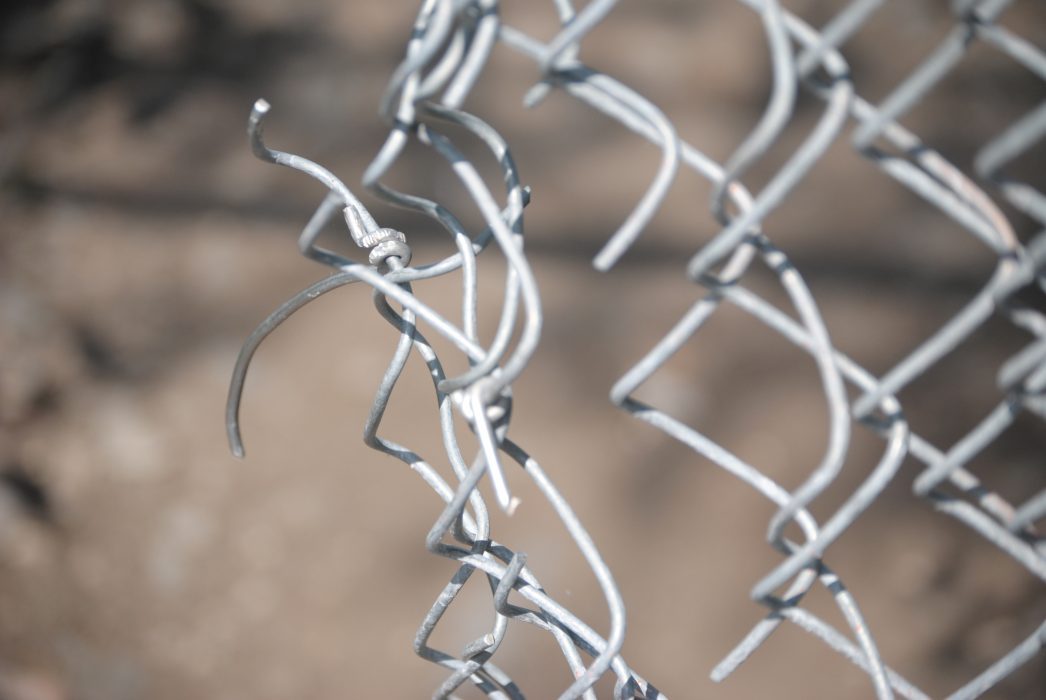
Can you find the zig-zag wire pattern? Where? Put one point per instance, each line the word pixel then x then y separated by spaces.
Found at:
pixel 449 49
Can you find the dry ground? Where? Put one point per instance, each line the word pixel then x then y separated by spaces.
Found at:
pixel 141 243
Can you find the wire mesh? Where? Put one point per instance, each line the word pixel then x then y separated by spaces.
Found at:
pixel 449 49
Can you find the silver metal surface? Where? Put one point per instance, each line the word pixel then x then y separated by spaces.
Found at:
pixel 448 50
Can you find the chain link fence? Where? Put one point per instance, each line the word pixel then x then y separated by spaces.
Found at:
pixel 425 103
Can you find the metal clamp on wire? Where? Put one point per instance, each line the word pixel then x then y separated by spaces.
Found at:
pixel 384 243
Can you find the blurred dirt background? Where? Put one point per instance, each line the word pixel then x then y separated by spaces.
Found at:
pixel 141 242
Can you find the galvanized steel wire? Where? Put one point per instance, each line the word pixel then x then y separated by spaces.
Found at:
pixel 449 49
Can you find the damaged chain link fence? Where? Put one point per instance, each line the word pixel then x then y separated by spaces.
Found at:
pixel 449 49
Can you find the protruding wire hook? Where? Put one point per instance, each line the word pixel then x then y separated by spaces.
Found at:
pixel 365 232
pixel 255 128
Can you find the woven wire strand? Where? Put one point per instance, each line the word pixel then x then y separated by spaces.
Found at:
pixel 449 49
